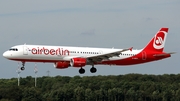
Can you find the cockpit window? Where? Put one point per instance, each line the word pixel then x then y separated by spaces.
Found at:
pixel 13 49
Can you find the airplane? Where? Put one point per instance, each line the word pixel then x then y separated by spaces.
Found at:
pixel 65 56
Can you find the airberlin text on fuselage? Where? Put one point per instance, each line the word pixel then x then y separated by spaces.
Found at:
pixel 47 51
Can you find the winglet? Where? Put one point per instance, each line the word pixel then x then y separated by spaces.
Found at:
pixel 131 48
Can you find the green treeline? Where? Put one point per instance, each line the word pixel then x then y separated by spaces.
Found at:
pixel 130 87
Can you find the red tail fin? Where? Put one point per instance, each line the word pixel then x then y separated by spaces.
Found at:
pixel 158 41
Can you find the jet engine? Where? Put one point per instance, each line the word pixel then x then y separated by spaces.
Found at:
pixel 61 65
pixel 78 62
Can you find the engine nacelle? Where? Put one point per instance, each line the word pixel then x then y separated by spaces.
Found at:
pixel 61 65
pixel 78 62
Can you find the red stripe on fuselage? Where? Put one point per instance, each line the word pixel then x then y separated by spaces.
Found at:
pixel 137 59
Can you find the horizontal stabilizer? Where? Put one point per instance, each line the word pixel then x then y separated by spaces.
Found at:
pixel 164 54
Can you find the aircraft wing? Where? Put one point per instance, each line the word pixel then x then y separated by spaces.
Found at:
pixel 99 58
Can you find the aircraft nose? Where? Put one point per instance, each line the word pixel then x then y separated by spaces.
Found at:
pixel 6 55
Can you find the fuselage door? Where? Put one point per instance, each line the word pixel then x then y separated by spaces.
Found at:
pixel 143 55
pixel 25 50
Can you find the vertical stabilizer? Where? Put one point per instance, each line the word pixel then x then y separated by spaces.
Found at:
pixel 157 43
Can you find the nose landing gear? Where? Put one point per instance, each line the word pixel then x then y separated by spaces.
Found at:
pixel 23 64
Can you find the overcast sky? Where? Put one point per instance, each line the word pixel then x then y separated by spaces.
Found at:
pixel 90 23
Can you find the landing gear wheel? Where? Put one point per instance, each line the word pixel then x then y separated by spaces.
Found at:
pixel 23 64
pixel 81 71
pixel 22 68
pixel 93 70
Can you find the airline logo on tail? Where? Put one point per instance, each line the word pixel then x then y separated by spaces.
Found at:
pixel 157 43
pixel 159 40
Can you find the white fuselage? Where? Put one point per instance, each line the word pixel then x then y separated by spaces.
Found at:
pixel 60 53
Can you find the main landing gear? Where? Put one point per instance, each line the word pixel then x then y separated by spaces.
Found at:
pixel 81 70
pixel 92 70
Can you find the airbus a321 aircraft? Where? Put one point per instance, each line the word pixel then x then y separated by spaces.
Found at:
pixel 64 56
